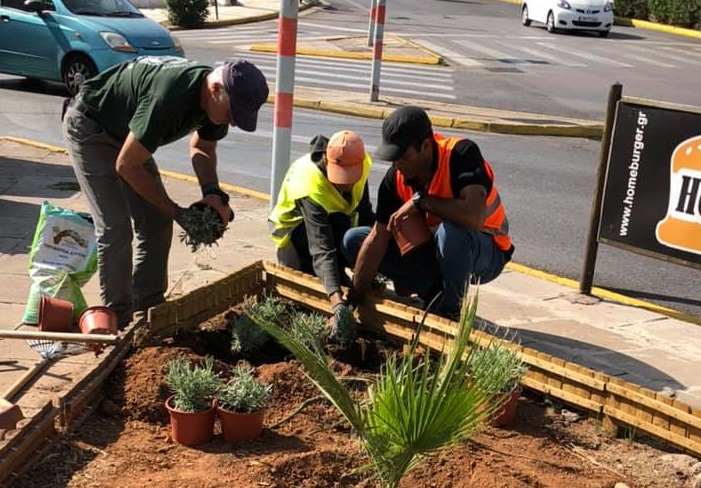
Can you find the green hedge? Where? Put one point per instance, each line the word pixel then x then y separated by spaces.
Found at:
pixel 685 13
pixel 187 13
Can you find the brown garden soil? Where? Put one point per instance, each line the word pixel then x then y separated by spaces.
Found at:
pixel 127 442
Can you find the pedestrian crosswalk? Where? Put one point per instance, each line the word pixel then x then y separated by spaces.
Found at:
pixel 432 82
pixel 475 52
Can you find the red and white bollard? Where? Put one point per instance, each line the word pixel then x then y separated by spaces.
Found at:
pixel 371 23
pixel 284 94
pixel 377 51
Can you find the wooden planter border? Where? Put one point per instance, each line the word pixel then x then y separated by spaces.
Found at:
pixel 615 401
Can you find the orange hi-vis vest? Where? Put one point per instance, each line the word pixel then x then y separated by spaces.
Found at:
pixel 495 222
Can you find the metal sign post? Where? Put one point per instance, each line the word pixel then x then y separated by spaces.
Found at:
pixel 284 95
pixel 371 22
pixel 377 51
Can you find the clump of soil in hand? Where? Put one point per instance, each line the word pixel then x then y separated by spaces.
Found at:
pixel 202 226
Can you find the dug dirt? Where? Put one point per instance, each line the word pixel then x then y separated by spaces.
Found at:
pixel 127 443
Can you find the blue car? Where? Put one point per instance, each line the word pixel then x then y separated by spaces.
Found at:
pixel 73 40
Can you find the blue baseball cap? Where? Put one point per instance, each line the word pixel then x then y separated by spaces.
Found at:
pixel 248 90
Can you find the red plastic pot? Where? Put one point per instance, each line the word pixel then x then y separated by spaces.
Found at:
pixel 98 320
pixel 191 428
pixel 240 426
pixel 507 415
pixel 55 315
pixel 411 231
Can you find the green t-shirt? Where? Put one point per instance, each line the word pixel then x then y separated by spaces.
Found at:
pixel 156 98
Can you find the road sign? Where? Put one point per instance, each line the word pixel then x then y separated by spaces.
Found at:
pixel 648 192
pixel 652 194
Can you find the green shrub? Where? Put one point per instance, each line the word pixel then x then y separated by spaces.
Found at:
pixel 636 9
pixel 194 385
pixel 187 13
pixel 246 337
pixel 243 393
pixel 417 406
pixel 685 13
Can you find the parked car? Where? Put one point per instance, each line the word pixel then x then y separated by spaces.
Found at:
pixel 584 15
pixel 73 40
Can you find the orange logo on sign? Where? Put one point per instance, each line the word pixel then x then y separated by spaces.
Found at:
pixel 681 228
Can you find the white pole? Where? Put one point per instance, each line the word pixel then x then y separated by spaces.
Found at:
pixel 371 22
pixel 377 51
pixel 284 95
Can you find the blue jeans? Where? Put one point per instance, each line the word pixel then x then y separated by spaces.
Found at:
pixel 460 255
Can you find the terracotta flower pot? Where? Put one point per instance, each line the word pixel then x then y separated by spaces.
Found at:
pixel 98 320
pixel 191 428
pixel 55 315
pixel 411 231
pixel 240 426
pixel 507 415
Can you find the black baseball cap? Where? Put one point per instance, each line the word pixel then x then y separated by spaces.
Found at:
pixel 404 126
pixel 248 90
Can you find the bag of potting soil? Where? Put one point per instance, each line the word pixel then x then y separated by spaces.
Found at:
pixel 63 257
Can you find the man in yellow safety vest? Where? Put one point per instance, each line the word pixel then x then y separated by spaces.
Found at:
pixel 324 193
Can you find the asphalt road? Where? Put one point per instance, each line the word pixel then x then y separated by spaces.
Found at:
pixel 493 60
pixel 546 184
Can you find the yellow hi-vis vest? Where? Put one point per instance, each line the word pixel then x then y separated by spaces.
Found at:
pixel 304 179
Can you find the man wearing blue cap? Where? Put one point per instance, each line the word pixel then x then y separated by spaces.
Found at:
pixel 115 124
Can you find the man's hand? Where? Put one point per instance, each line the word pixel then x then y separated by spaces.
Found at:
pixel 343 327
pixel 396 217
pixel 218 203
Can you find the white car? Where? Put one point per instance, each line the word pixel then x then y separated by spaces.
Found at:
pixel 585 15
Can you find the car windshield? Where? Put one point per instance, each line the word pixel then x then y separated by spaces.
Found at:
pixel 105 8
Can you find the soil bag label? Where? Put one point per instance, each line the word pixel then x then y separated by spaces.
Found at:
pixel 63 257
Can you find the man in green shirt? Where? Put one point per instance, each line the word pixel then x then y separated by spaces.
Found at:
pixel 113 127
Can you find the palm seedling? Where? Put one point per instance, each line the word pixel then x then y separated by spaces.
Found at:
pixel 417 406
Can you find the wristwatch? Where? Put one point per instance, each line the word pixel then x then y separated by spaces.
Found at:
pixel 215 190
pixel 417 198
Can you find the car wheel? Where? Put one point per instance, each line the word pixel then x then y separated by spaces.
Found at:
pixel 77 69
pixel 550 23
pixel 524 16
pixel 604 33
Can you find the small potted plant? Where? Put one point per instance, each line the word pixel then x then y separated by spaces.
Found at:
pixel 509 368
pixel 241 406
pixel 191 407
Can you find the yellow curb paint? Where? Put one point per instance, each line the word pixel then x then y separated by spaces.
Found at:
pixel 36 144
pixel 654 26
pixel 519 268
pixel 164 172
pixel 224 186
pixel 605 294
pixel 333 53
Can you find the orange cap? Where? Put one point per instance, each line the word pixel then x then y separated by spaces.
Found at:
pixel 345 153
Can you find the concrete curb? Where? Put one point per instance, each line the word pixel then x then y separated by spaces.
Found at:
pixel 605 294
pixel 643 24
pixel 243 20
pixel 654 26
pixel 593 131
pixel 519 268
pixel 170 174
pixel 432 59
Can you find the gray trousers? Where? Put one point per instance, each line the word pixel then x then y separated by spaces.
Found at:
pixel 126 284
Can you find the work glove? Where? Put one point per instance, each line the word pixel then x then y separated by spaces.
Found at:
pixel 343 327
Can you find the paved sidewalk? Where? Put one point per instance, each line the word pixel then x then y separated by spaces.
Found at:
pixel 243 12
pixel 637 345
